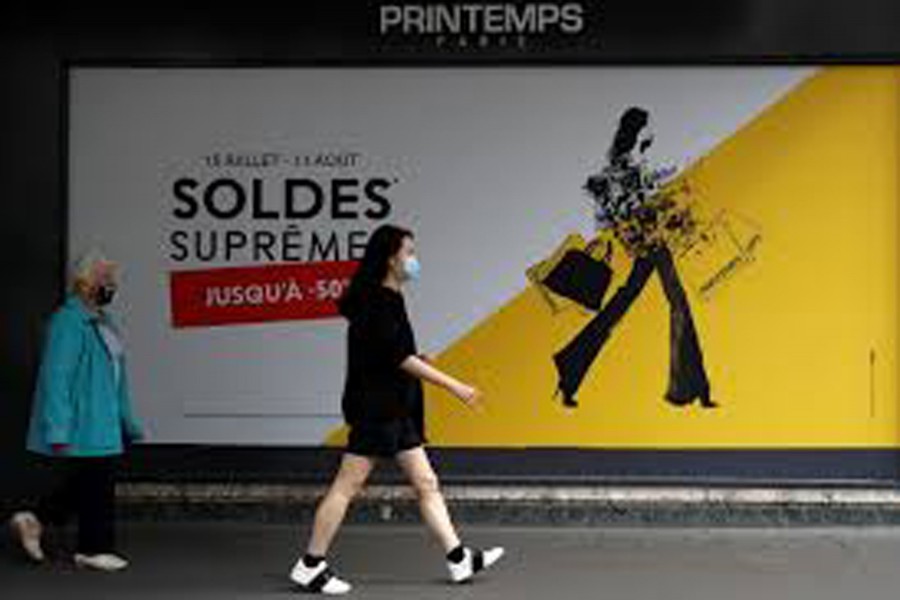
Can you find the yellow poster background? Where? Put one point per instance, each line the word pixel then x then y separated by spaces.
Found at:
pixel 800 343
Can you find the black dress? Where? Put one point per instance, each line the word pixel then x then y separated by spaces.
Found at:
pixel 382 403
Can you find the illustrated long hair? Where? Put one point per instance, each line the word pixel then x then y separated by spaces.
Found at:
pixel 630 124
pixel 384 243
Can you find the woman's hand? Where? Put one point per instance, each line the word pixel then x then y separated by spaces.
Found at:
pixel 417 367
pixel 469 395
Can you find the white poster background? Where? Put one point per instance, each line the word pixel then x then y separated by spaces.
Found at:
pixel 489 164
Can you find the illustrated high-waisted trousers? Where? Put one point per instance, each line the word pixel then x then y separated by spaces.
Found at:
pixel 687 375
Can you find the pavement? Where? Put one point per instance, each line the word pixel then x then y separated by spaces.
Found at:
pixel 241 560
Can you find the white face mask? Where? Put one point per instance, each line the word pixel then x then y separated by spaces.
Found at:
pixel 411 268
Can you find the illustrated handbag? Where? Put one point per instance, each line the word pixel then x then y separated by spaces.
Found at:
pixel 581 277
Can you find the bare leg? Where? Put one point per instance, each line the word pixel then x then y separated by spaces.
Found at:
pixel 417 467
pixel 347 484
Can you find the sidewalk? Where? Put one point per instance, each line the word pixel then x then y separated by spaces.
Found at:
pixel 234 561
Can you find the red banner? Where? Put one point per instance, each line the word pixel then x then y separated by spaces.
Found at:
pixel 282 292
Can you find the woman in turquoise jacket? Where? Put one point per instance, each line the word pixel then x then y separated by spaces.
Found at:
pixel 82 418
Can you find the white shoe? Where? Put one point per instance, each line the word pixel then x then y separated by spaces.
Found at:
pixel 101 562
pixel 473 561
pixel 319 579
pixel 26 527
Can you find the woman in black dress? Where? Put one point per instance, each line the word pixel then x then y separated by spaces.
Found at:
pixel 383 406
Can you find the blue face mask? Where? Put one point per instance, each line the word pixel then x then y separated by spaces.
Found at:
pixel 411 268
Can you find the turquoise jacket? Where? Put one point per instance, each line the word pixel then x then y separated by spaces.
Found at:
pixel 77 401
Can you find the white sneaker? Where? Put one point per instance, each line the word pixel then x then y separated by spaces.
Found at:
pixel 101 562
pixel 319 579
pixel 473 561
pixel 26 527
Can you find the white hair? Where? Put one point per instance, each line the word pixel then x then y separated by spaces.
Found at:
pixel 85 268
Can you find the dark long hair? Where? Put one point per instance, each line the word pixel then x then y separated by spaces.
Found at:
pixel 630 124
pixel 384 243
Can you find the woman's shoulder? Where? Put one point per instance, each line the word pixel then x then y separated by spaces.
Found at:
pixel 70 313
pixel 374 301
pixel 381 298
pixel 66 324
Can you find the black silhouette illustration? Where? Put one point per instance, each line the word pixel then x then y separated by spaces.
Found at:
pixel 628 203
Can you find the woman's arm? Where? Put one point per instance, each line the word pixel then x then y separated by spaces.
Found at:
pixel 55 379
pixel 130 423
pixel 420 369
